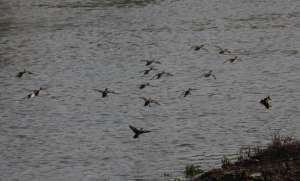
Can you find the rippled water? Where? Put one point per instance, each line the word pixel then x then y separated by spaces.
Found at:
pixel 74 46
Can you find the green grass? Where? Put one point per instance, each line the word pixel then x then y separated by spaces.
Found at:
pixel 192 170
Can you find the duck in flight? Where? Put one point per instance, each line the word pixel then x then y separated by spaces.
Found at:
pixel 144 85
pixel 34 93
pixel 160 74
pixel 20 74
pixel 208 74
pixel 148 101
pixel 188 92
pixel 231 60
pixel 265 102
pixel 137 131
pixel 147 71
pixel 223 51
pixel 199 47
pixel 105 92
pixel 149 62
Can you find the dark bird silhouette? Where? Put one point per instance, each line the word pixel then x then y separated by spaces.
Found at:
pixel 223 51
pixel 142 86
pixel 137 131
pixel 231 60
pixel 147 71
pixel 265 102
pixel 149 62
pixel 20 74
pixel 148 101
pixel 209 73
pixel 105 92
pixel 34 93
pixel 160 74
pixel 199 47
pixel 188 92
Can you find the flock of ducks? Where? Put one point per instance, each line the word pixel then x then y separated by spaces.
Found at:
pixel 147 100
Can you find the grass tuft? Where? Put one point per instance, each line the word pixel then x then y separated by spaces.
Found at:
pixel 192 170
pixel 278 161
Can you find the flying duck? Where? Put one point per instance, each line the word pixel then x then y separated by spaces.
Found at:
pixel 231 60
pixel 198 47
pixel 142 86
pixel 209 73
pixel 223 51
pixel 105 92
pixel 147 71
pixel 20 74
pixel 149 62
pixel 160 74
pixel 265 102
pixel 148 101
pixel 188 92
pixel 34 93
pixel 137 131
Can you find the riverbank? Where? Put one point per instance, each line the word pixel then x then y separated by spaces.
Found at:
pixel 278 161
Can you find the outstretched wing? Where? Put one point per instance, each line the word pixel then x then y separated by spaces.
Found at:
pixel 203 75
pixel 219 48
pixel 214 76
pixel 143 71
pixel 228 60
pixel 146 131
pixel 157 62
pixel 144 98
pixel 197 47
pixel 98 90
pixel 134 129
pixel 155 102
pixel 113 92
pixel 153 85
pixel 20 74
pixel 152 68
pixel 155 76
pixel 168 74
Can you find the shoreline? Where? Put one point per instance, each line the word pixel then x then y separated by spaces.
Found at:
pixel 278 161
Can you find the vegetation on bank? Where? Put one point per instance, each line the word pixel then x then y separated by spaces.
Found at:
pixel 278 161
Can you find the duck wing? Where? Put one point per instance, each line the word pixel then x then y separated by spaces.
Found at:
pixel 113 92
pixel 20 74
pixel 168 74
pixel 155 102
pixel 152 68
pixel 228 60
pixel 155 76
pixel 98 90
pixel 134 129
pixel 219 48
pixel 146 131
pixel 144 98
pixel 186 93
pixel 214 76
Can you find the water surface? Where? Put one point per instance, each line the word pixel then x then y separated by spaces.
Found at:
pixel 74 46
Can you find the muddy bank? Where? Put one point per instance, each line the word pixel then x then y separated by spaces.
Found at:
pixel 279 161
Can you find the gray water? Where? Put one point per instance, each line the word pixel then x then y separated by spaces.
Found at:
pixel 75 46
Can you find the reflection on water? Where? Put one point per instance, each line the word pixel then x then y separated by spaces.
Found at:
pixel 74 47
